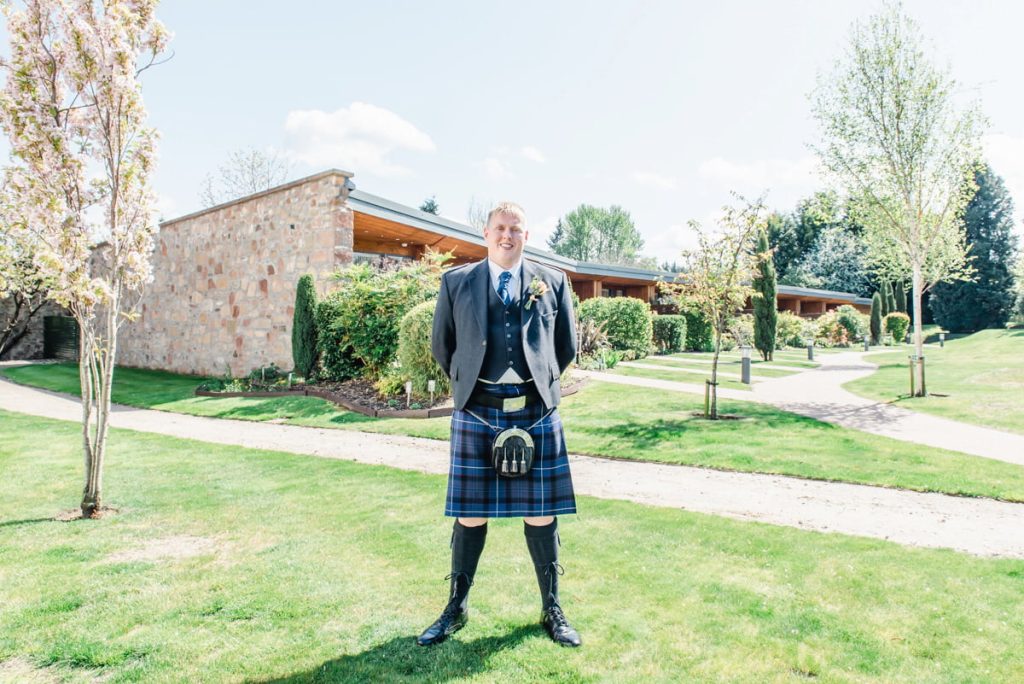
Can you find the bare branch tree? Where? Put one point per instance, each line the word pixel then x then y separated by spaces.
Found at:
pixel 246 172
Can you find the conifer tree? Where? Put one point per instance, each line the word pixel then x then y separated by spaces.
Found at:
pixel 304 327
pixel 765 312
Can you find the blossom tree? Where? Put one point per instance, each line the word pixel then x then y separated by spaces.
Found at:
pixel 82 156
pixel 717 275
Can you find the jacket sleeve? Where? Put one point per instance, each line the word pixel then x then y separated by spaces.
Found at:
pixel 565 327
pixel 442 337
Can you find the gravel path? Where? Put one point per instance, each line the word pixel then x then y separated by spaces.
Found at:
pixel 977 526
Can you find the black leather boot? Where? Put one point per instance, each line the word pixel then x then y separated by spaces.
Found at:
pixel 543 544
pixel 467 545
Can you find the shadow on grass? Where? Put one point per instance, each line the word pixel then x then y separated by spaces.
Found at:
pixel 400 659
pixel 26 521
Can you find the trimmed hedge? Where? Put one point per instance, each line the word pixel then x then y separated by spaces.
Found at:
pixel 699 335
pixel 896 324
pixel 669 333
pixel 626 320
pixel 416 362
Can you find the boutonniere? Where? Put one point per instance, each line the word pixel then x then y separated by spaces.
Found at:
pixel 538 288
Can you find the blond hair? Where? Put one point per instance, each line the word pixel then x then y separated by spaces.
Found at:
pixel 506 208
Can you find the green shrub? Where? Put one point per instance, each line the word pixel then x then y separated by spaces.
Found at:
pixel 337 361
pixel 368 307
pixel 304 327
pixel 669 333
pixel 699 336
pixel 740 332
pixel 416 363
pixel 789 331
pixel 829 332
pixel 854 321
pixel 896 324
pixel 626 321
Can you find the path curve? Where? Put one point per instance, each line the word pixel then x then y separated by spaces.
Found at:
pixel 818 393
pixel 978 526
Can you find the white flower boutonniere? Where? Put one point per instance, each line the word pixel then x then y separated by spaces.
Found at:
pixel 538 288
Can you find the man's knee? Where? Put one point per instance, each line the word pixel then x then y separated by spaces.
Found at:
pixel 472 522
pixel 539 521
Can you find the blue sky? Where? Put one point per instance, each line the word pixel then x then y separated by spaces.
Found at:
pixel 661 107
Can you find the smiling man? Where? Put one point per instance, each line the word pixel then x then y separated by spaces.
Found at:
pixel 504 332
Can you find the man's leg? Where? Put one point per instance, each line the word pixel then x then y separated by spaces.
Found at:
pixel 542 540
pixel 468 537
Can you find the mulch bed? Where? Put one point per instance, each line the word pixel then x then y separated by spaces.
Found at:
pixel 361 396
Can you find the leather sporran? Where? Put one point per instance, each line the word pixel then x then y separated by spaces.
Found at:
pixel 512 452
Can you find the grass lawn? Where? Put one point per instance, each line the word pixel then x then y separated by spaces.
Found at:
pixel 230 564
pixel 982 374
pixel 646 424
pixel 756 370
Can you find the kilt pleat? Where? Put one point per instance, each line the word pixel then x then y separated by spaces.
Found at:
pixel 475 490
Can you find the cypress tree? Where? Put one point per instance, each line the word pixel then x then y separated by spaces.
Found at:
pixel 901 297
pixel 985 301
pixel 876 318
pixel 882 289
pixel 890 299
pixel 765 312
pixel 304 327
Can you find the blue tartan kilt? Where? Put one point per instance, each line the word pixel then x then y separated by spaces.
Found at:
pixel 475 490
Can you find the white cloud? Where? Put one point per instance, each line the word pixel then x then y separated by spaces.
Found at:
pixel 496 169
pixel 655 180
pixel 533 154
pixel 763 174
pixel 358 138
pixel 1005 153
pixel 541 230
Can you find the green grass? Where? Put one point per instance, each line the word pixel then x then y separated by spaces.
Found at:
pixel 762 370
pixel 625 422
pixel 982 374
pixel 688 378
pixel 321 570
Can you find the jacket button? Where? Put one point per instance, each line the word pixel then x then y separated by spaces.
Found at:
pixel 484 343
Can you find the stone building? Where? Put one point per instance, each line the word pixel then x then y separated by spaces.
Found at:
pixel 224 283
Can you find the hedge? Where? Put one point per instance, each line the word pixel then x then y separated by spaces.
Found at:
pixel 699 336
pixel 416 363
pixel 669 333
pixel 626 320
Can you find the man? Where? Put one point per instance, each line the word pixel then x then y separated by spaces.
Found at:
pixel 504 332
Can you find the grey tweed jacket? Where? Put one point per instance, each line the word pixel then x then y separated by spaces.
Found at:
pixel 459 339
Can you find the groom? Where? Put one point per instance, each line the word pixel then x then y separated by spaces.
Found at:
pixel 504 332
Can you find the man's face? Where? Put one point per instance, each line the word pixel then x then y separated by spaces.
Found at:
pixel 505 238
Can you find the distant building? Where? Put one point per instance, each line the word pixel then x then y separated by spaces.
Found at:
pixel 224 277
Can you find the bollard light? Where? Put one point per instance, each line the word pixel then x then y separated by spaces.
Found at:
pixel 745 350
pixel 810 350
pixel 942 340
pixel 745 368
pixel 408 393
pixel 431 386
pixel 867 343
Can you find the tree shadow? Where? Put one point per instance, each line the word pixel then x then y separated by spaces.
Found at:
pixel 26 521
pixel 401 659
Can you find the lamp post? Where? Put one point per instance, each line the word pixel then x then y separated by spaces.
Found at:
pixel 745 372
pixel 810 349
pixel 867 339
pixel 942 340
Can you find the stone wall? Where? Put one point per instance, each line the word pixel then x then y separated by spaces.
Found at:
pixel 223 292
pixel 31 345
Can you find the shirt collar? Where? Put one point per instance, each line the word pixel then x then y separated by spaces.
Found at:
pixel 497 270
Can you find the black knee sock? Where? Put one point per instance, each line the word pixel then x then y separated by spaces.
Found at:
pixel 467 545
pixel 542 540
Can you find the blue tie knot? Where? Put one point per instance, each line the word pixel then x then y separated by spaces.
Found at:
pixel 503 293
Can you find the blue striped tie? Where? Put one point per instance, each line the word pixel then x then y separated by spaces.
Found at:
pixel 503 292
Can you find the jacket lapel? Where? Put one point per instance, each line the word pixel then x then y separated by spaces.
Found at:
pixel 524 296
pixel 477 283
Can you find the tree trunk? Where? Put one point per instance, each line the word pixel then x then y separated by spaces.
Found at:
pixel 714 377
pixel 96 371
pixel 921 391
